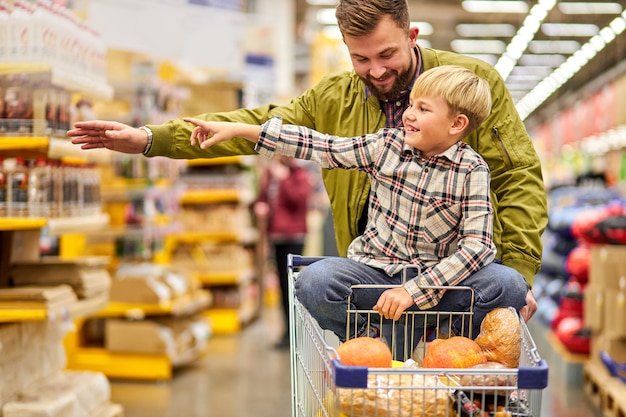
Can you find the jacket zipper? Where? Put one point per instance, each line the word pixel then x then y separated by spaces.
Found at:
pixel 500 143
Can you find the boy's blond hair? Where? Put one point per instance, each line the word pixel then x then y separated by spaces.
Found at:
pixel 463 90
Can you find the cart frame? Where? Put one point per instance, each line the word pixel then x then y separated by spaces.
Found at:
pixel 322 386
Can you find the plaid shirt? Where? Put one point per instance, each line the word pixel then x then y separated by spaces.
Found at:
pixel 435 213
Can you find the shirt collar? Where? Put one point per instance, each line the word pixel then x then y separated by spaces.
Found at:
pixel 451 153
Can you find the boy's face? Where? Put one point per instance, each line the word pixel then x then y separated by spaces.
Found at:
pixel 384 59
pixel 429 126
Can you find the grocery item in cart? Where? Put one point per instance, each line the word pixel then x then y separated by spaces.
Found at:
pixel 397 395
pixel 489 377
pixel 500 337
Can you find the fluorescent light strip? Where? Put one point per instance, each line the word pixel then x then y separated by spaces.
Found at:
pixel 496 30
pixel 567 47
pixel 326 17
pixel 569 29
pixel 424 27
pixel 568 69
pixel 484 46
pixel 526 33
pixel 486 6
pixel 589 7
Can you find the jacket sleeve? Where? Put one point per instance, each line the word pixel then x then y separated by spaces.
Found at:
pixel 518 191
pixel 171 139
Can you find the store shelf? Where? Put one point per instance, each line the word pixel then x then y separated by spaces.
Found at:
pixel 244 236
pixel 225 278
pixel 76 310
pixel 52 148
pixel 120 365
pixel 79 224
pixel 224 320
pixel 218 195
pixel 177 307
pixel 243 160
pixel 24 146
pixel 22 223
pixel 63 149
pixel 73 81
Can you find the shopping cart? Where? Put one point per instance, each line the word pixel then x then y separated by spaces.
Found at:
pixel 322 386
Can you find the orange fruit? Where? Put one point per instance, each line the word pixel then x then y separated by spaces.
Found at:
pixel 365 351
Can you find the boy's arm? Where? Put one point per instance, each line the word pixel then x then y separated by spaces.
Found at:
pixel 207 134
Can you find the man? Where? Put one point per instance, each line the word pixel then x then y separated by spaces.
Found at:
pixel 386 61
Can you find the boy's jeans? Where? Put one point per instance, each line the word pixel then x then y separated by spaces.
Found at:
pixel 324 286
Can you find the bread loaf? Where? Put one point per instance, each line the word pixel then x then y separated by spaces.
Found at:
pixel 500 337
pixel 383 399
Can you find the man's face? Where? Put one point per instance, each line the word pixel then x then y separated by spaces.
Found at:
pixel 384 59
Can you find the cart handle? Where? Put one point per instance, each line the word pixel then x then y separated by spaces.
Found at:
pixel 299 260
pixel 348 376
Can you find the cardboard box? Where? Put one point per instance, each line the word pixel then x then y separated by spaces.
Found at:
pixel 179 338
pixel 87 276
pixel 139 290
pixel 25 245
pixel 607 267
pixel 615 308
pixel 142 336
pixel 593 311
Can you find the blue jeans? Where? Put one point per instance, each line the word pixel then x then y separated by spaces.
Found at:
pixel 323 289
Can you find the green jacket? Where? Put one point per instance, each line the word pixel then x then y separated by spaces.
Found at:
pixel 337 105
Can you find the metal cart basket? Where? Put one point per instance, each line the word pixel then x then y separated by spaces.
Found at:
pixel 322 386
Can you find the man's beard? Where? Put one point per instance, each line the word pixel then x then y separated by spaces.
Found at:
pixel 401 84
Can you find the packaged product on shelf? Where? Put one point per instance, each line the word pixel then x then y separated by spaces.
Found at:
pixel 17 197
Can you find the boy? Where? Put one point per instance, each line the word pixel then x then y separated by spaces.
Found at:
pixel 429 206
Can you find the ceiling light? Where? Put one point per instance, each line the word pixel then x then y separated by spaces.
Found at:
pixel 326 17
pixel 553 47
pixel 532 70
pixel 589 8
pixel 480 30
pixel 607 34
pixel 491 46
pixel 543 60
pixel 424 27
pixel 569 29
pixel 424 43
pixel 524 35
pixel 564 72
pixel 524 78
pixel 332 32
pixel 618 25
pixel 480 6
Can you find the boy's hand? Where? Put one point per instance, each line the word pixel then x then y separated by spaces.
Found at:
pixel 207 134
pixel 393 302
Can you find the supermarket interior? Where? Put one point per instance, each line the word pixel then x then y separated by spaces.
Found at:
pixel 144 276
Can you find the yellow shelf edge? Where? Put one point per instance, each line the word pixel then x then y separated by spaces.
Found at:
pixel 211 196
pixel 121 365
pixel 244 160
pixel 21 223
pixel 23 142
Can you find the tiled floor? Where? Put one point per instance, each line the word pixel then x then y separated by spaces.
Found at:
pixel 242 375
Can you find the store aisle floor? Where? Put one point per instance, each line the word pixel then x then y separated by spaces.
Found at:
pixel 242 375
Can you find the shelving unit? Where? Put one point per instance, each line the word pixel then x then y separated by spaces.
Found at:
pixel 136 366
pixel 220 246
